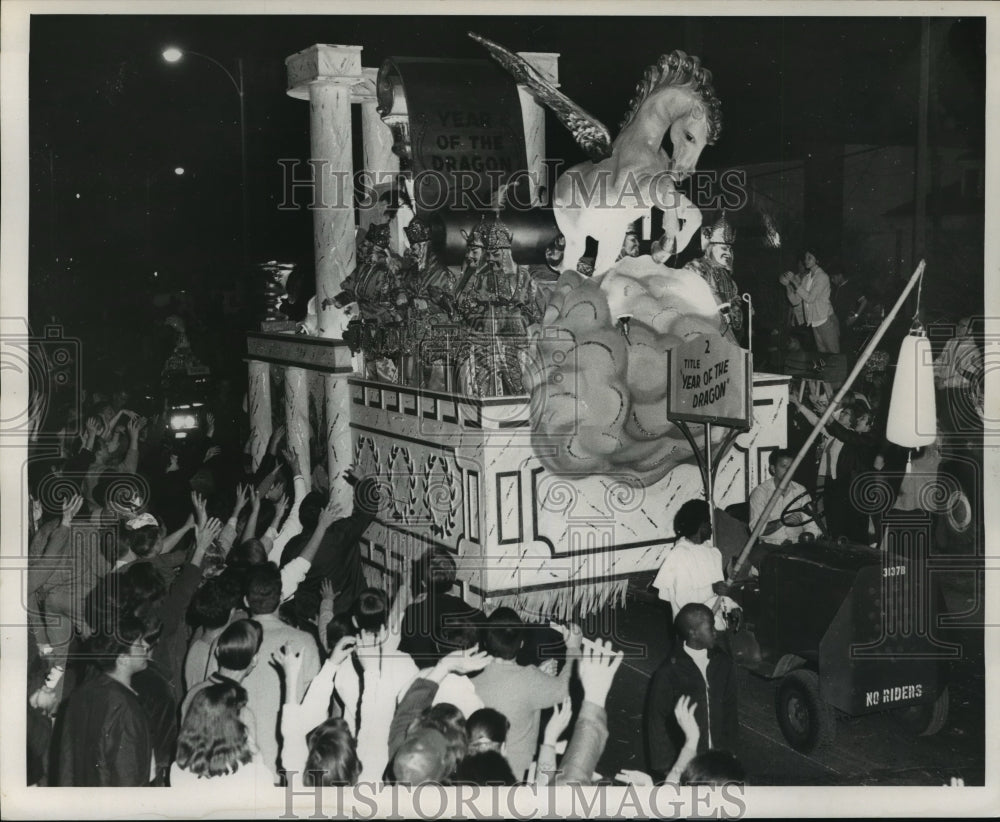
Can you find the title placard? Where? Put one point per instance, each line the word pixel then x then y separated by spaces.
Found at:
pixel 710 382
pixel 466 132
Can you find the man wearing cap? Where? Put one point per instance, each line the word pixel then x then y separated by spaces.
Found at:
pixel 715 267
pixel 812 293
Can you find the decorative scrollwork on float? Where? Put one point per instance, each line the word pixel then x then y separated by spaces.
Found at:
pixel 624 494
pixel 561 496
pixel 440 495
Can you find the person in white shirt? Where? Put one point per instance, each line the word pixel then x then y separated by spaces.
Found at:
pixel 263 684
pixel 776 532
pixel 692 570
pixel 812 293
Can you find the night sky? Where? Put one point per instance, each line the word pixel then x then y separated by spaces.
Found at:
pixel 110 120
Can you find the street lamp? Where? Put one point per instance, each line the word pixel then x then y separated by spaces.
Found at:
pixel 174 55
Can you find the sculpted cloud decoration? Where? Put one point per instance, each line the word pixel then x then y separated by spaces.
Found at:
pixel 599 399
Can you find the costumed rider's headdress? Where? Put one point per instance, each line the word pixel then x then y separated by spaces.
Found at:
pixel 378 235
pixel 498 235
pixel 476 237
pixel 721 232
pixel 417 231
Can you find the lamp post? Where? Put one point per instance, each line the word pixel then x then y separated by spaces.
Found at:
pixel 173 55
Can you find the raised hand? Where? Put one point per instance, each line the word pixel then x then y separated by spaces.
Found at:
pixel 289 656
pixel 466 661
pixel 275 439
pixel 212 453
pixel 70 508
pixel 135 425
pixel 45 700
pixel 331 513
pixel 326 590
pixel 242 495
pixel 280 507
pixel 550 667
pixel 684 713
pixel 598 666
pixel 558 722
pixel 198 502
pixel 342 650
pixel 254 499
pixel 572 635
pixel 204 535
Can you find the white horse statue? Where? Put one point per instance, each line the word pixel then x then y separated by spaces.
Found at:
pixel 629 175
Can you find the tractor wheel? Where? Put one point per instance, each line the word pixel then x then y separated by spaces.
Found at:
pixel 925 720
pixel 805 719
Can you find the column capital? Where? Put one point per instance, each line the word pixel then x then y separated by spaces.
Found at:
pixel 364 91
pixel 545 62
pixel 322 63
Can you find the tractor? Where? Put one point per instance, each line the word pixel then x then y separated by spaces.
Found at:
pixel 845 628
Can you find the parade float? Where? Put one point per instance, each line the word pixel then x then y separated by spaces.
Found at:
pixel 540 424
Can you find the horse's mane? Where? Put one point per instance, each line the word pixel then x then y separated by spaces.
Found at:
pixel 679 70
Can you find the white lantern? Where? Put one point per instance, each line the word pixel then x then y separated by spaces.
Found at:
pixel 912 410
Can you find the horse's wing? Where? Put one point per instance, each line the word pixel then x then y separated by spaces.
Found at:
pixel 592 135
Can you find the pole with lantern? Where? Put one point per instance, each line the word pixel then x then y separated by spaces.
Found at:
pixel 912 413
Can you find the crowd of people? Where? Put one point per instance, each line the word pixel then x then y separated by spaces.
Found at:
pixel 196 622
pixel 199 620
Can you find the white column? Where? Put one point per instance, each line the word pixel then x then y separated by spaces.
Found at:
pixel 379 160
pixel 533 114
pixel 259 407
pixel 329 74
pixel 297 419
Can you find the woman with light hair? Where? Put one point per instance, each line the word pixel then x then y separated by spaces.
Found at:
pixel 214 746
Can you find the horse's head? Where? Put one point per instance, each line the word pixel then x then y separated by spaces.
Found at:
pixel 677 96
pixel 689 134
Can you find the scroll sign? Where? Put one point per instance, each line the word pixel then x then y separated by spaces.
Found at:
pixel 458 128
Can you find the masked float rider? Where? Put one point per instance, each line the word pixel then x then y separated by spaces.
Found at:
pixel 499 301
pixel 376 331
pixel 630 245
pixel 547 276
pixel 425 293
pixel 715 267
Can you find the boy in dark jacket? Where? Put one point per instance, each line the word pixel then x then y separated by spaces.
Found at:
pixel 700 671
